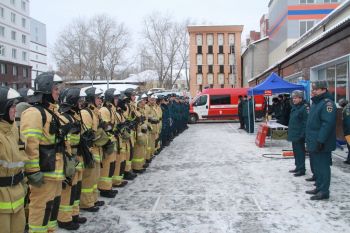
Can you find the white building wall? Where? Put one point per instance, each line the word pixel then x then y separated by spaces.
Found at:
pixel 38 48
pixel 12 13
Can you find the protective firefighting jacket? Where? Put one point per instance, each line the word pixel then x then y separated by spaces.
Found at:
pixel 11 170
pixel 91 119
pixel 41 142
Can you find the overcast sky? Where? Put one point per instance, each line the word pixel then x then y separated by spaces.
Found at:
pixel 57 14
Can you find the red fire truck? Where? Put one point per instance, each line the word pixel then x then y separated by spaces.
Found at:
pixel 221 104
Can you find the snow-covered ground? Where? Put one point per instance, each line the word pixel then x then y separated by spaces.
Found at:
pixel 212 178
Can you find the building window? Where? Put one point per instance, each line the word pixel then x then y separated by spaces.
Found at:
pixel 2 31
pixel 23 5
pixel 24 39
pixel 231 39
pixel 199 39
pixel 199 49
pixel 23 22
pixel 199 59
pixel 210 69
pixel 199 79
pixel 336 76
pixel 13 35
pixel 305 26
pixel 210 49
pixel 307 1
pixel 13 17
pixel 220 39
pixel 2 50
pixel 36 57
pixel 14 70
pixel 210 59
pixel 221 49
pixel 210 79
pixel 25 72
pixel 210 39
pixel 220 99
pixel 232 49
pixel 3 68
pixel 14 53
pixel 330 1
pixel 2 13
pixel 13 2
pixel 24 56
pixel 200 71
pixel 221 69
pixel 221 59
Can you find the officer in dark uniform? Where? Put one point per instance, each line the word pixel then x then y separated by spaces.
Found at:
pixel 346 125
pixel 296 131
pixel 248 115
pixel 321 137
pixel 240 112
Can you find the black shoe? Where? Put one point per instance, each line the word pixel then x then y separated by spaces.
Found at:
pixel 310 179
pixel 91 209
pixel 99 203
pixel 299 174
pixel 108 193
pixel 347 162
pixel 293 171
pixel 319 196
pixel 146 165
pixel 122 184
pixel 312 192
pixel 139 171
pixel 70 226
pixel 78 219
pixel 129 176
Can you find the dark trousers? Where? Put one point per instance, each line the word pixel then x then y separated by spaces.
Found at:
pixel 299 155
pixel 322 166
pixel 249 124
pixel 348 159
pixel 241 121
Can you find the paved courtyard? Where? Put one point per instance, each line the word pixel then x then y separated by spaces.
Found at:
pixel 212 178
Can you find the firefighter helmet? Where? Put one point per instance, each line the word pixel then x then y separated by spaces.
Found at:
pixel 110 94
pixel 92 93
pixel 8 97
pixel 45 82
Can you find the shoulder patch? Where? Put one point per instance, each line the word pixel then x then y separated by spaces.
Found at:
pixel 329 108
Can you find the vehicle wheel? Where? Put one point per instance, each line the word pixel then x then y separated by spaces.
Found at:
pixel 193 119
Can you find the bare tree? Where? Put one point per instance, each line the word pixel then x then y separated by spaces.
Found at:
pixel 91 49
pixel 164 42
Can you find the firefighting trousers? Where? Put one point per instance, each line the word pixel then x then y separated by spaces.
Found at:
pixel 139 157
pixel 107 171
pixel 129 156
pixel 120 164
pixel 70 198
pixel 89 192
pixel 13 223
pixel 152 143
pixel 322 167
pixel 43 207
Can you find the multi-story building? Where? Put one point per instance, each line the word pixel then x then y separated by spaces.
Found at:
pixel 15 70
pixel 215 57
pixel 38 48
pixel 264 26
pixel 290 19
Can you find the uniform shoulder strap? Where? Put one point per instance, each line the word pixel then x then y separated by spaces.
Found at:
pixel 42 112
pixel 69 117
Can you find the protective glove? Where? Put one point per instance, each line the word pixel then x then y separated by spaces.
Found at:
pixel 36 179
pixel 320 146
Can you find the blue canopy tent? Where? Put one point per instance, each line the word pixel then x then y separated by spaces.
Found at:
pixel 276 85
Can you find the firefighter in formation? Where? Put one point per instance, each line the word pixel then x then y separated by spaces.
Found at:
pixel 61 150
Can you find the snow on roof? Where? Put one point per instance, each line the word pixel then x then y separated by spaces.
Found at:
pixel 325 33
pixel 254 43
pixel 119 87
pixel 96 82
pixel 152 75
